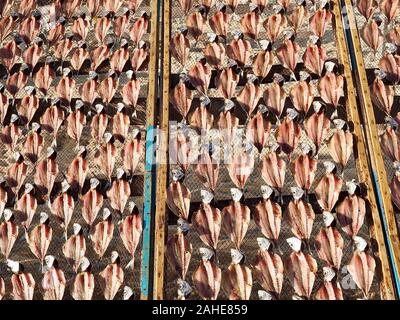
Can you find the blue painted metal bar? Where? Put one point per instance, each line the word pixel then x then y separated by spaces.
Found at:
pixel 375 181
pixel 148 209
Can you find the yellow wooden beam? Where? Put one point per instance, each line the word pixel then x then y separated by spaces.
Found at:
pixel 162 163
pixel 376 230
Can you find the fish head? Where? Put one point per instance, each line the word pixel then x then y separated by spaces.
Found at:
pixel 44 218
pixel 14 266
pixel 107 137
pixel 360 243
pixel 294 243
pixel 328 218
pixel 141 44
pixel 297 192
pixel 177 175
pixel 79 104
pixel 380 74
pixel 130 74
pixel 351 186
pixel 99 108
pixel 291 113
pixel 66 72
pixel 82 151
pixel 313 40
pixel 264 295
pixel 317 106
pixel 106 214
pixel 205 101
pixel 305 148
pixel 206 196
pixel 221 6
pixel 328 273
pixel 237 256
pixel 120 106
pixel 262 108
pixel 253 7
pixel 120 173
pixel 252 78
pixel 206 254
pixel 266 191
pixel 128 293
pixel 35 127
pixel 277 9
pixel 288 34
pixel 265 45
pixel 184 288
pixel 85 264
pixel 229 104
pixel 390 122
pixel 76 228
pixel 8 214
pixel 55 101
pixel 390 48
pixel 131 206
pixel 236 194
pixel 339 123
pixel 93 75
pixel 305 76
pixel 263 243
pixel 65 186
pixel 49 260
pixel 14 118
pixel 124 43
pixel 183 225
pixel 329 166
pixel 18 157
pixel 28 188
pixel 94 182
pixel 50 152
pixel 114 257
pixel 29 90
pixel 212 37
pixel 329 66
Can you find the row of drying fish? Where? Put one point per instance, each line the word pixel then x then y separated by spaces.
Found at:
pixel 64 45
pixel 25 197
pixel 381 26
pixel 54 283
pixel 68 8
pixel 40 238
pixel 240 49
pixel 268 269
pixel 189 5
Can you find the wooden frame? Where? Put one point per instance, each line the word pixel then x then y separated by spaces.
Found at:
pixel 149 183
pixel 162 160
pixel 376 230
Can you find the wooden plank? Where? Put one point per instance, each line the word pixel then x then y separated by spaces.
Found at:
pixel 149 188
pixel 376 230
pixel 162 161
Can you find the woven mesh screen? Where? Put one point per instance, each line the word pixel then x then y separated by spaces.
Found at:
pixel 66 151
pixel 252 189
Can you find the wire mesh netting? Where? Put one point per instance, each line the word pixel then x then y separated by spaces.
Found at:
pixel 372 61
pixel 252 192
pixel 65 146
